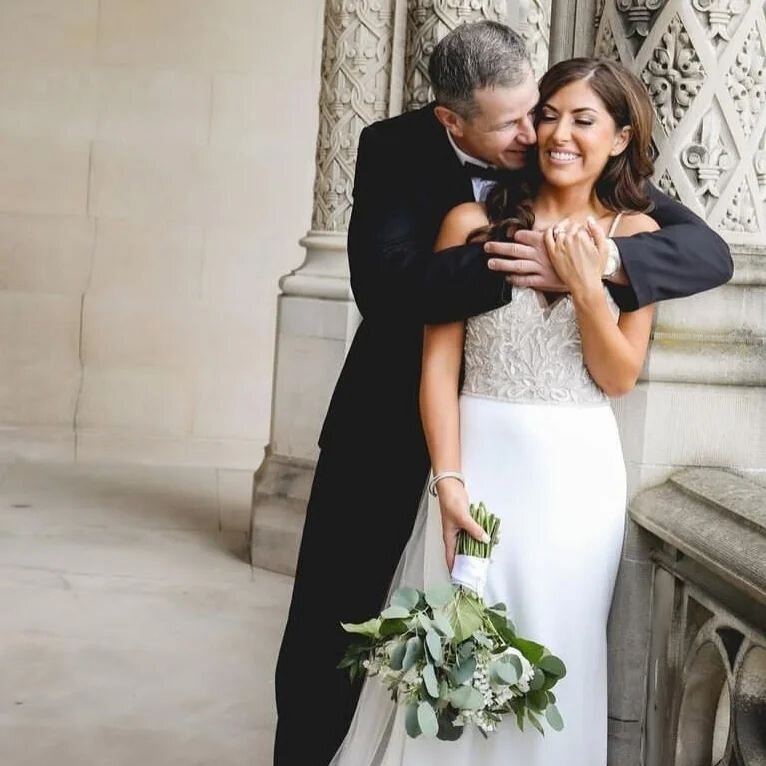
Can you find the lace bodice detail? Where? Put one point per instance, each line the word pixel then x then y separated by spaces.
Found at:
pixel 526 351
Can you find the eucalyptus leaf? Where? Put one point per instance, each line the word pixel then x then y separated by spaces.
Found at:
pixel 424 622
pixel 537 700
pixel 393 628
pixel 553 666
pixel 370 628
pixel 499 607
pixel 395 613
pixel 531 650
pixel 503 671
pixel 442 624
pixel 413 653
pixel 430 682
pixel 397 655
pixel 464 617
pixel 466 698
pixel 538 680
pixel 429 726
pixel 553 716
pixel 440 595
pixel 533 719
pixel 463 672
pixel 411 723
pixel 406 597
pixel 434 645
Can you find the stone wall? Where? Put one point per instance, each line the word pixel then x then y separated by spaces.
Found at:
pixel 158 157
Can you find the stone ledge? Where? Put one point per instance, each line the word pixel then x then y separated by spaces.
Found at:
pixel 713 517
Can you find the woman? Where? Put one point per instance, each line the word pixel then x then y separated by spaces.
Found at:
pixel 532 431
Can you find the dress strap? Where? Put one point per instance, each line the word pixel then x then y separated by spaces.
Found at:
pixel 615 224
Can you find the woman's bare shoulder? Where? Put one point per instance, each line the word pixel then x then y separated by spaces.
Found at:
pixel 635 223
pixel 459 222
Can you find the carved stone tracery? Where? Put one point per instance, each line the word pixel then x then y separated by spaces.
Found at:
pixel 708 157
pixel 719 15
pixel 354 92
pixel 640 14
pixel 673 75
pixel 427 22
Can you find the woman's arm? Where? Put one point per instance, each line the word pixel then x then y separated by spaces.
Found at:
pixel 613 351
pixel 439 381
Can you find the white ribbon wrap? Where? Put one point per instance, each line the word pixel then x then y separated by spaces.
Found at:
pixel 470 572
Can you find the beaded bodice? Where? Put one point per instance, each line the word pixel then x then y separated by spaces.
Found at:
pixel 527 351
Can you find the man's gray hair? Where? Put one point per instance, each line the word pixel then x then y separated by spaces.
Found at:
pixel 476 55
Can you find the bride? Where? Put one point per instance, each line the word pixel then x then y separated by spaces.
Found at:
pixel 531 432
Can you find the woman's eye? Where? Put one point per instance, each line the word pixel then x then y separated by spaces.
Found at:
pixel 547 117
pixel 584 122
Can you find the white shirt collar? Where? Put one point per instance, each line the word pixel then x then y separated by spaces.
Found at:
pixel 462 156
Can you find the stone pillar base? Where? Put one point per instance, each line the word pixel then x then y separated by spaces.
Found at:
pixel 280 494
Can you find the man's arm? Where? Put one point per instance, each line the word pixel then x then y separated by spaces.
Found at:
pixel 390 248
pixel 683 258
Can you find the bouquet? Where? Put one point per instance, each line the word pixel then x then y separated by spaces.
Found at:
pixel 451 659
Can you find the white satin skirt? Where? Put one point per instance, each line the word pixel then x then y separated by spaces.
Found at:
pixel 555 475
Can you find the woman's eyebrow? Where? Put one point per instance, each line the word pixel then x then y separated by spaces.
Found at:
pixel 574 111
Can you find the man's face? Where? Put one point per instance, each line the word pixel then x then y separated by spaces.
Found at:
pixel 503 128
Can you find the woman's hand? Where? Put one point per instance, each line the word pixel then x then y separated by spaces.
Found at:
pixel 578 254
pixel 454 505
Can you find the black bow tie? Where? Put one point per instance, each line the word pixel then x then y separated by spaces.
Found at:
pixel 488 174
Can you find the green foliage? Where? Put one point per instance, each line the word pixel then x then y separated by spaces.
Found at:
pixel 452 660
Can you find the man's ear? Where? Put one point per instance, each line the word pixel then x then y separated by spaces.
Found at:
pixel 621 141
pixel 451 120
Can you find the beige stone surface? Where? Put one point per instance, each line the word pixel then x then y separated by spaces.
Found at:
pixel 183 33
pixel 138 259
pixel 134 629
pixel 44 176
pixel 45 253
pixel 48 30
pixel 147 400
pixel 158 164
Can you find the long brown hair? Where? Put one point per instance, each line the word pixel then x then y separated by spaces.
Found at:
pixel 622 185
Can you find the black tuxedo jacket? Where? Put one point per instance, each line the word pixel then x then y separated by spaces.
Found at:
pixel 407 178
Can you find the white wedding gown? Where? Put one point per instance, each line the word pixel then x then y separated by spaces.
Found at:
pixel 540 447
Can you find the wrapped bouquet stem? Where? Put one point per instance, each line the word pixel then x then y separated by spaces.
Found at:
pixel 451 659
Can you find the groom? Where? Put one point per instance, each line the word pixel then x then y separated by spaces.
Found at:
pixel 373 462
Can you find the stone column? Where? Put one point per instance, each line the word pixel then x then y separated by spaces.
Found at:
pixel 701 400
pixel 317 316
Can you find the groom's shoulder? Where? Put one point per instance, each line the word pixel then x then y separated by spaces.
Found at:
pixel 407 127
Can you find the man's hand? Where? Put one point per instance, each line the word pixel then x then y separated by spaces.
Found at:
pixel 525 262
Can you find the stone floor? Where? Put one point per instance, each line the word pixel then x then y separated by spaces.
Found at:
pixel 132 628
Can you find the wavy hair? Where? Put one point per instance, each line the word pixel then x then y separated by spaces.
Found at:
pixel 622 185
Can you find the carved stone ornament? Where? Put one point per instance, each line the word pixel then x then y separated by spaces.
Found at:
pixel 606 47
pixel 639 15
pixel 759 161
pixel 534 26
pixel 740 213
pixel 673 75
pixel 708 157
pixel 747 80
pixel 667 185
pixel 354 92
pixel 427 22
pixel 719 15
pixel 598 13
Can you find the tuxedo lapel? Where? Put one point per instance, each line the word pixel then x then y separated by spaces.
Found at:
pixel 447 176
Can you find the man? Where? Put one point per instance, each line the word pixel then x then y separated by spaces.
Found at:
pixel 373 463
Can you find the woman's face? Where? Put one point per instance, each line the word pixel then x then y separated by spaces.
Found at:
pixel 576 136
